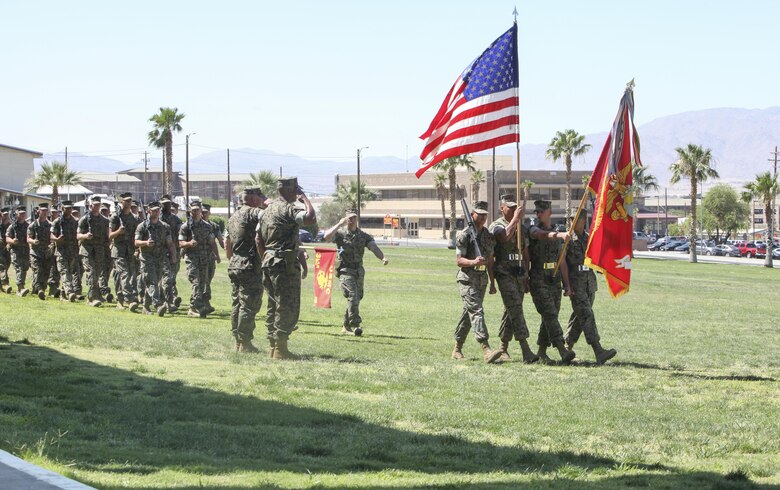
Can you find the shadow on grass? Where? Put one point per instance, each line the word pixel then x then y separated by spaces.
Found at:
pixel 113 415
pixel 677 372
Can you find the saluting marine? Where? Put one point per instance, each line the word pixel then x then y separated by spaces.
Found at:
pixel 196 240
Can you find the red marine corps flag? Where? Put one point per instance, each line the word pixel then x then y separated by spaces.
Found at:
pixel 609 245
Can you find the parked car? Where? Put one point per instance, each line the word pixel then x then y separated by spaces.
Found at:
pixel 776 253
pixel 320 236
pixel 640 235
pixel 729 250
pixel 305 236
pixel 750 249
pixel 685 247
pixel 671 245
pixel 711 249
pixel 656 245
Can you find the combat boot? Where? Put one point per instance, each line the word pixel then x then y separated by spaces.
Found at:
pixel 147 311
pixel 457 352
pixel 95 303
pixel 8 289
pixel 272 342
pixel 208 308
pixel 120 306
pixel 281 353
pixel 80 297
pixel 489 355
pixel 566 355
pixel 54 292
pixel 602 355
pixel 23 292
pixel 72 297
pixel 528 355
pixel 161 310
pixel 109 298
pixel 358 331
pixel 347 330
pixel 177 301
pixel 42 295
pixel 504 349
pixel 542 355
pixel 133 307
pixel 192 312
pixel 246 347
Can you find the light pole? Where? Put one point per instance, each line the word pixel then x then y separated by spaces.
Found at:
pixel 358 179
pixel 187 171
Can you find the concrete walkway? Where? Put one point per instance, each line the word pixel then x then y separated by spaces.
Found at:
pixel 18 474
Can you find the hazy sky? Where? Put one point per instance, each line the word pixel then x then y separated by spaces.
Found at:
pixel 322 78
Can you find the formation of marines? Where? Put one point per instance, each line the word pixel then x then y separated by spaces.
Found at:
pixel 142 249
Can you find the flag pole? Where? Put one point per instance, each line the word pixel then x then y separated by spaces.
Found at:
pixel 519 229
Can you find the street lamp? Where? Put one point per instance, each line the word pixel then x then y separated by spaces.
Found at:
pixel 358 179
pixel 187 171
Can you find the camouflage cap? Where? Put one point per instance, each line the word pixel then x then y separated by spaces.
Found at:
pixel 165 199
pixel 5 210
pixel 67 204
pixel 480 207
pixel 43 205
pixel 542 205
pixel 21 209
pixel 195 205
pixel 125 196
pixel 174 205
pixel 509 200
pixel 134 203
pixel 206 207
pixel 287 183
pixel 253 189
pixel 105 205
pixel 95 199
pixel 350 212
pixel 154 205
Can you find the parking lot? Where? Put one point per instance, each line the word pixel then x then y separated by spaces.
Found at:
pixel 704 258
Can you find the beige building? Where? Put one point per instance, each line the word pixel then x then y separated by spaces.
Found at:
pixel 16 166
pixel 416 205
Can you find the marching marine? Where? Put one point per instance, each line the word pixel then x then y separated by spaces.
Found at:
pixel 153 238
pixel 122 234
pixel 39 238
pixel 5 255
pixel 93 235
pixel 196 240
pixel 16 238
pixel 63 233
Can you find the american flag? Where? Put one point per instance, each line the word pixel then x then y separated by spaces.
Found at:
pixel 481 109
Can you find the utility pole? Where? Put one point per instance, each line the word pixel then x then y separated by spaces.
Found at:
pixel 230 187
pixel 493 189
pixel 146 169
pixel 66 168
pixel 775 154
pixel 164 176
pixel 358 180
pixel 666 213
pixel 187 171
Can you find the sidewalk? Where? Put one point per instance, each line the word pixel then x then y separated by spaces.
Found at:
pixel 18 474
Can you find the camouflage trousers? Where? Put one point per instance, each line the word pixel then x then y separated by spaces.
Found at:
pixel 212 268
pixel 5 262
pixel 94 266
pixel 247 295
pixel 140 285
pixel 105 275
pixel 41 267
pixel 21 263
pixel 125 279
pixel 547 299
pixel 513 320
pixel 198 275
pixel 351 282
pixel 153 270
pixel 68 266
pixel 79 274
pixel 582 319
pixel 283 286
pixel 170 291
pixel 54 275
pixel 472 293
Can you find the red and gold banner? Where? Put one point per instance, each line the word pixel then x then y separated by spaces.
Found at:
pixel 324 262
pixel 610 243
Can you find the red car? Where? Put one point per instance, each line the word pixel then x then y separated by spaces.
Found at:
pixel 750 249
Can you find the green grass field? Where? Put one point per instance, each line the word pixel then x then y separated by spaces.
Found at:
pixel 120 400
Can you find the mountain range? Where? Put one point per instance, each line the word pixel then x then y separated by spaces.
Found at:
pixel 740 139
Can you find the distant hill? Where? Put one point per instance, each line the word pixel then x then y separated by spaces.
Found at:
pixel 740 139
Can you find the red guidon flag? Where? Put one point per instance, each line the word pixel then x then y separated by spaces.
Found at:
pixel 609 245
pixel 324 261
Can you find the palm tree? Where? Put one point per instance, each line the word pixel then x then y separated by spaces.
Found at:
pixel 693 163
pixel 161 136
pixel 526 186
pixel 266 179
pixel 476 177
pixel 564 146
pixel 346 194
pixel 450 165
pixel 764 188
pixel 440 183
pixel 54 174
pixel 642 182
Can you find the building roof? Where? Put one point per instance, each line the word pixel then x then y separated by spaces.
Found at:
pixel 221 177
pixel 106 177
pixel 65 189
pixel 36 154
pixel 22 193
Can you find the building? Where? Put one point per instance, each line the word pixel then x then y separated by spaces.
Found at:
pixel 16 166
pixel 417 207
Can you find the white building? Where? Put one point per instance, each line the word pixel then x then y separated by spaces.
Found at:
pixel 16 166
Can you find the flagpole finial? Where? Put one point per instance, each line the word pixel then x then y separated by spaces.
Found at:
pixel 514 12
pixel 630 85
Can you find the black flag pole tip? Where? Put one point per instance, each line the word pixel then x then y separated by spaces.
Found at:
pixel 514 12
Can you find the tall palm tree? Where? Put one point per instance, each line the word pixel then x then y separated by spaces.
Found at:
pixel 55 174
pixel 266 179
pixel 764 188
pixel 526 186
pixel 450 165
pixel 161 136
pixel 643 181
pixel 694 163
pixel 440 183
pixel 564 146
pixel 477 177
pixel 346 194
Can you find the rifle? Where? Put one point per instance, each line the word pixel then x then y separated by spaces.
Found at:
pixel 472 228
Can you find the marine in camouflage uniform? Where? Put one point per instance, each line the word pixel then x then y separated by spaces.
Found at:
pixel 278 239
pixel 153 238
pixel 5 255
pixel 138 282
pixel 79 279
pixel 510 272
pixel 583 287
pixel 170 291
pixel 244 268
pixel 64 232
pixel 54 272
pixel 39 239
pixel 544 247
pixel 93 235
pixel 16 238
pixel 122 235
pixel 108 267
pixel 351 244
pixel 196 240
pixel 214 259
pixel 476 271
